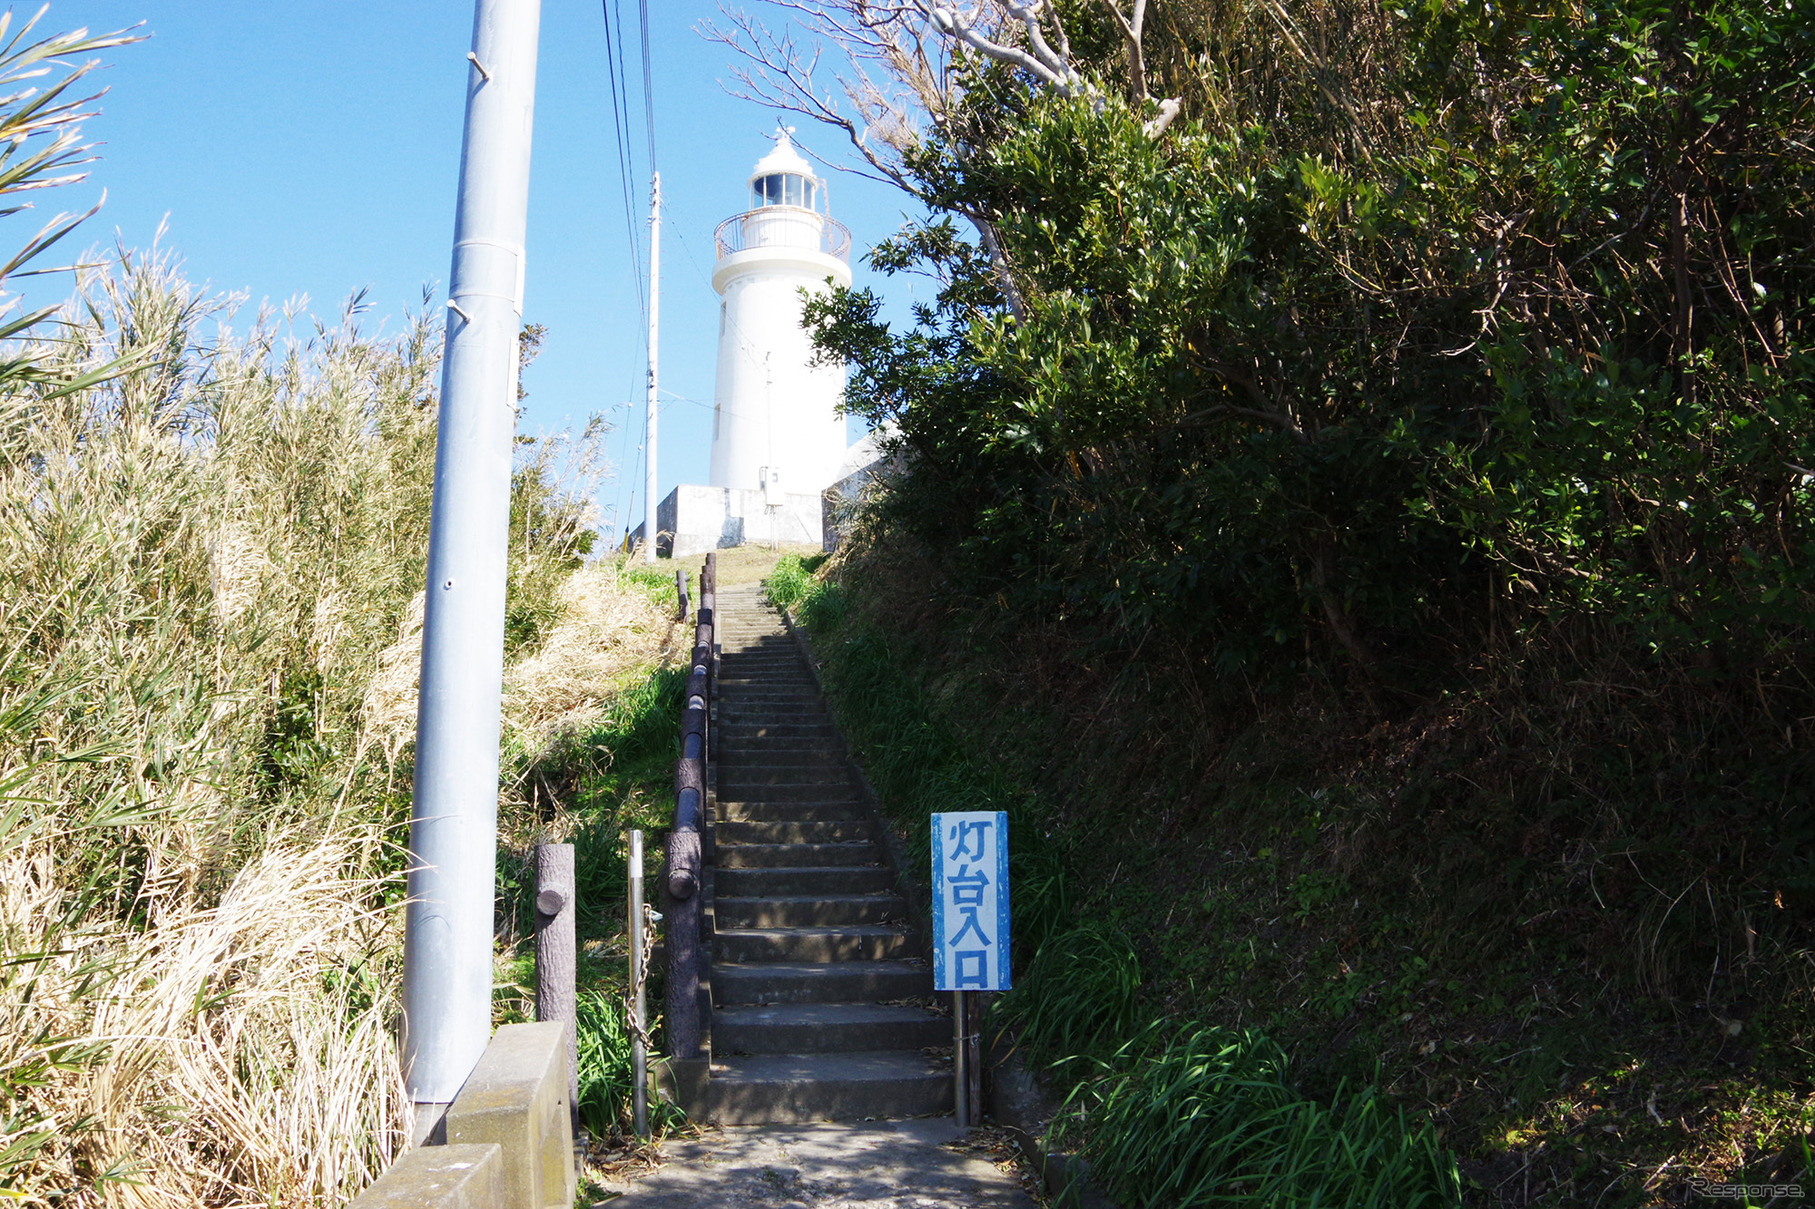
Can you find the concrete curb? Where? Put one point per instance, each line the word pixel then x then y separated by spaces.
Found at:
pixel 1013 1094
pixel 509 1134
pixel 447 1177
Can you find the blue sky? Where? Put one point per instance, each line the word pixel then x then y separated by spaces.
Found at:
pixel 313 149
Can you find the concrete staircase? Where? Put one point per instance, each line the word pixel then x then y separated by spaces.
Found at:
pixel 821 991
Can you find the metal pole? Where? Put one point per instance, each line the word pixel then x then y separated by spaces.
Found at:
pixel 652 501
pixel 973 1055
pixel 639 1057
pixel 447 979
pixel 960 1063
pixel 967 1059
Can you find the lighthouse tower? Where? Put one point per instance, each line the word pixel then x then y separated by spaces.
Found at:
pixel 775 426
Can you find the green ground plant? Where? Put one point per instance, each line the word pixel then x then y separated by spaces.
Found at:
pixel 1201 1117
pixel 1210 1117
pixel 587 776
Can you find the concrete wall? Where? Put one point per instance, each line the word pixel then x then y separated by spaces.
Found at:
pixel 694 520
pixel 839 502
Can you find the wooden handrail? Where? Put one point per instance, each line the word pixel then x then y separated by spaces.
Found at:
pixel 686 954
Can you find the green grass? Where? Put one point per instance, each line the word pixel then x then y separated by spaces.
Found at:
pixel 606 1078
pixel 1210 1117
pixel 617 776
pixel 1168 1117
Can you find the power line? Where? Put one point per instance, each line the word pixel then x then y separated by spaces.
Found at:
pixel 648 83
pixel 620 119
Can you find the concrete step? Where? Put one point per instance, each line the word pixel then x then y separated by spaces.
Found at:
pixel 821 982
pixel 758 805
pixel 742 676
pixel 732 710
pixel 853 942
pixel 767 688
pixel 795 1088
pixel 797 881
pixel 773 831
pixel 736 731
pixel 781 774
pixel 807 911
pixel 732 714
pixel 784 757
pixel 780 812
pixel 827 1028
pixel 782 856
pixel 825 791
pixel 754 753
pixel 769 704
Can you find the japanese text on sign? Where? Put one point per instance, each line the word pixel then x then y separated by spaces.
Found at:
pixel 970 901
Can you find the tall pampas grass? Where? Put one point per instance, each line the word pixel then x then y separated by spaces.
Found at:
pixel 205 556
pixel 212 543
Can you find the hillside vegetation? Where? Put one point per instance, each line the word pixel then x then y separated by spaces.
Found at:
pixel 212 541
pixel 1364 528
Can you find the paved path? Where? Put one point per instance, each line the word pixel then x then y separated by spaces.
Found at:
pixel 869 1165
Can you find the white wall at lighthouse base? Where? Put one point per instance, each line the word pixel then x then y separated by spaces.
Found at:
pixel 693 520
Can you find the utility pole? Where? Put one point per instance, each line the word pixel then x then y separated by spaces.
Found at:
pixel 655 316
pixel 447 970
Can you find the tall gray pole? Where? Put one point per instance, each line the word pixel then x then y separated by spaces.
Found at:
pixel 652 501
pixel 447 962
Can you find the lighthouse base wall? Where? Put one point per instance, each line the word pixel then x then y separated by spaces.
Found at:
pixel 694 520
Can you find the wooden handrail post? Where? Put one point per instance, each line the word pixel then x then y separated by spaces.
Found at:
pixel 555 956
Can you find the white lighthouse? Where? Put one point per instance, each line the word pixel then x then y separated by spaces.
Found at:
pixel 778 440
pixel 775 425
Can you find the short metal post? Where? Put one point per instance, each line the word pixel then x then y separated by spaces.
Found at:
pixel 555 956
pixel 639 1057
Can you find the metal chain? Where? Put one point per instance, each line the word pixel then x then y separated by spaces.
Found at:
pixel 651 917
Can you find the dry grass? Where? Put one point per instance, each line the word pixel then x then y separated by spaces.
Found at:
pixel 250 1056
pixel 208 650
pixel 609 627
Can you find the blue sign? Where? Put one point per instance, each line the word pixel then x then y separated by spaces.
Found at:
pixel 970 901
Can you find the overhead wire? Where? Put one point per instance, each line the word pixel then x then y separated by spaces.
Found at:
pixel 620 119
pixel 648 83
pixel 619 79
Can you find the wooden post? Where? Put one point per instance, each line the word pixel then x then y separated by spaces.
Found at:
pixel 680 587
pixel 555 955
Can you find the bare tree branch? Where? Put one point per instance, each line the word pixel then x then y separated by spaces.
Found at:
pixel 892 64
pixel 1131 33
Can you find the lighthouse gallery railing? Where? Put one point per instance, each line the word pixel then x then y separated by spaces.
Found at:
pixel 812 231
